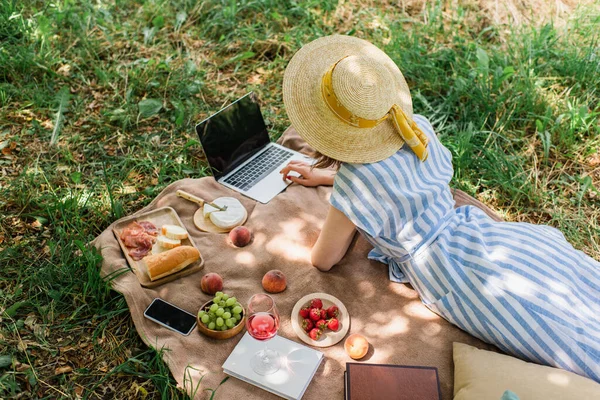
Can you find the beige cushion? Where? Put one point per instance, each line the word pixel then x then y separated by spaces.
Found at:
pixel 483 375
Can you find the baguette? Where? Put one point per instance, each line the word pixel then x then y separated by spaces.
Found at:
pixel 170 261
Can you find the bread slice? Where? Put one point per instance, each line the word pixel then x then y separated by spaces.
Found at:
pixel 170 261
pixel 167 243
pixel 174 232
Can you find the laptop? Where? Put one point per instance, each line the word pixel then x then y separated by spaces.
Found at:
pixel 240 153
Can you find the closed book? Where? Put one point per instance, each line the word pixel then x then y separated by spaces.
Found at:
pixel 299 364
pixel 391 382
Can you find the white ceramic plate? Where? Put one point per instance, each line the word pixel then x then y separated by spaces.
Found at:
pixel 328 338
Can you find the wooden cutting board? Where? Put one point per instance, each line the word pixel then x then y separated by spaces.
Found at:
pixel 159 217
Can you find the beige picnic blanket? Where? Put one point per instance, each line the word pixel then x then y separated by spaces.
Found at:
pixel 400 328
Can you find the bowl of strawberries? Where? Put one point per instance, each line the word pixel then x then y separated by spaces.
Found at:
pixel 320 319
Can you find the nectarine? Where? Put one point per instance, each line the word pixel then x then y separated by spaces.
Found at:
pixel 356 346
pixel 274 281
pixel 211 283
pixel 240 236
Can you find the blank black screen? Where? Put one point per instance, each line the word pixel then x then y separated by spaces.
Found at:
pixel 233 134
pixel 171 316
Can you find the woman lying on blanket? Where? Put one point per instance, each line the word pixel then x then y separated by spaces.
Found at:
pixel 519 286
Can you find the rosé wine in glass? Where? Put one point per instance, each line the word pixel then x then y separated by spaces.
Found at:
pixel 262 324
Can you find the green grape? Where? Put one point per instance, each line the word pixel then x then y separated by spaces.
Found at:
pixel 205 318
pixel 228 309
pixel 237 317
pixel 223 328
pixel 212 326
pixel 221 303
pixel 201 313
pixel 226 315
pixel 214 307
pixel 237 310
pixel 229 323
pixel 217 299
pixel 219 294
pixel 220 321
pixel 220 312
pixel 230 302
pixel 225 296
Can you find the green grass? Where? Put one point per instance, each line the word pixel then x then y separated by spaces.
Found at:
pixel 97 106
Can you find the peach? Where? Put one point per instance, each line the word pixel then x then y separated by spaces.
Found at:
pixel 211 283
pixel 240 236
pixel 274 281
pixel 356 346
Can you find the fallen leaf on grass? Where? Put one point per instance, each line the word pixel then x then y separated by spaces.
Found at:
pixel 255 79
pixel 63 370
pixel 20 367
pixel 79 391
pixel 7 147
pixel 64 70
pixel 30 321
pixel 64 349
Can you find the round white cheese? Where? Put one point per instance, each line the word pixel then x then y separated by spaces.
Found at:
pixel 230 218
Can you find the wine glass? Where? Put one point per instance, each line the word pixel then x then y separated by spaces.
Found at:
pixel 262 324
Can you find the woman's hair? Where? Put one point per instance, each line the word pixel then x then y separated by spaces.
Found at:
pixel 326 162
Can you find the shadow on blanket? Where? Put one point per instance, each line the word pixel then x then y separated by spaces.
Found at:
pixel 401 330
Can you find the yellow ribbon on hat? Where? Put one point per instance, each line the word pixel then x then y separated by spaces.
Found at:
pixel 406 127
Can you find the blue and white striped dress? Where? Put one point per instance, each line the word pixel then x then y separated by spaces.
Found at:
pixel 519 286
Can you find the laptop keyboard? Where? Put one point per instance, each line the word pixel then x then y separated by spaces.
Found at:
pixel 261 166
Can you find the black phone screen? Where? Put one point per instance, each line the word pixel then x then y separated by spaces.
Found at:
pixel 171 316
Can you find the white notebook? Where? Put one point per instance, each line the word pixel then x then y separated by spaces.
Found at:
pixel 298 366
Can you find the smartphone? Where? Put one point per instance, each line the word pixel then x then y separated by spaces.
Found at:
pixel 170 316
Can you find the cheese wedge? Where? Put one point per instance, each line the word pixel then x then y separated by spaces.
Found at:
pixel 230 218
pixel 174 232
pixel 168 243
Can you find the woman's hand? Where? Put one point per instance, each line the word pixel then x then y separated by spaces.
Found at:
pixel 308 176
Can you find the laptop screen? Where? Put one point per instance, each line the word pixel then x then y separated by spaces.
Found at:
pixel 232 135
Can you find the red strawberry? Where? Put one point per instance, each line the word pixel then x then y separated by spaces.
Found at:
pixel 315 314
pixel 333 312
pixel 307 324
pixel 321 324
pixel 332 324
pixel 316 303
pixel 315 334
pixel 323 314
pixel 304 311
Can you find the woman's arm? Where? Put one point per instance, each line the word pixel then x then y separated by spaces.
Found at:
pixel 334 240
pixel 308 176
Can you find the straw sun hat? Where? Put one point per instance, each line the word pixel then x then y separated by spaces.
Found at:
pixel 349 101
